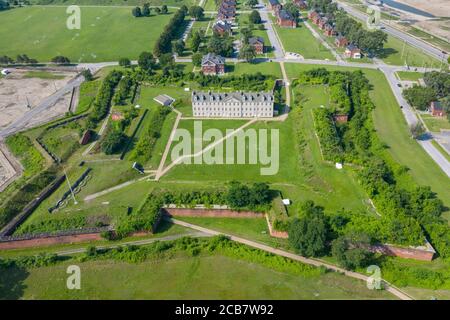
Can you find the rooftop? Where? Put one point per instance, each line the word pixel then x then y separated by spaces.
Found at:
pixel 213 58
pixel 239 96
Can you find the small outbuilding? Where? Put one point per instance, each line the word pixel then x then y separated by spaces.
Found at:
pixel 164 100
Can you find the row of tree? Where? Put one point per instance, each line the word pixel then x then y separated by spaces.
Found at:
pixel 146 10
pixel 164 42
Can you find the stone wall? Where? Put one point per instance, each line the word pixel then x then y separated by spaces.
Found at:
pixel 214 213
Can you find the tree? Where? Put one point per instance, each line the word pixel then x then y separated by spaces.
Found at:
pixel 113 142
pixel 4 5
pixel 146 61
pixel 238 195
pixel 419 97
pixel 178 47
pixel 124 62
pixel 164 9
pixel 87 75
pixel 308 234
pixel 166 60
pixel 246 34
pixel 146 10
pixel 254 17
pixel 251 3
pixel 260 193
pixel 136 12
pixel 417 130
pixel 157 10
pixel 196 12
pixel 292 9
pixel 197 59
pixel 352 252
pixel 247 53
pixel 61 60
pixel 196 41
pixel 221 45
pixel 6 60
pixel 439 82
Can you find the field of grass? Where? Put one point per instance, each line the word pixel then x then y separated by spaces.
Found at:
pixel 106 34
pixel 125 3
pixel 396 52
pixel 435 124
pixel 269 68
pixel 409 76
pixel 393 130
pixel 203 277
pixel 441 149
pixel 43 75
pixel 301 40
pixel 210 5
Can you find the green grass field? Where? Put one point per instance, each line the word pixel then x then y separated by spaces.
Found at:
pixel 106 34
pixel 204 277
pixel 409 76
pixel 435 124
pixel 300 40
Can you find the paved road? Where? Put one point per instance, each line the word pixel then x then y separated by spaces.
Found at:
pixel 273 38
pixel 415 42
pixel 314 262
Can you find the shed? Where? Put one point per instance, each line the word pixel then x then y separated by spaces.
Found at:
pixel 164 100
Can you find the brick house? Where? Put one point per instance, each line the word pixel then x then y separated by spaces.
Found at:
pixel 222 27
pixel 340 41
pixel 213 64
pixel 436 109
pixel 352 51
pixel 329 30
pixel 322 23
pixel 275 5
pixel 285 19
pixel 340 117
pixel 226 14
pixel 228 4
pixel 312 14
pixel 257 43
pixel 301 4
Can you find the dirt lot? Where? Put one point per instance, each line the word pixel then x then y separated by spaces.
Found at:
pixel 17 87
pixel 438 8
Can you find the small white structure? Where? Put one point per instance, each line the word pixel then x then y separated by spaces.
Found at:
pixel 286 202
pixel 137 106
pixel 5 72
pixel 339 165
pixel 187 89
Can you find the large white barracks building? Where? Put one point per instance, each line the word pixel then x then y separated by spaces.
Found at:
pixel 233 104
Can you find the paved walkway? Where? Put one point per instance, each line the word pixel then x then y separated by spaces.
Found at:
pixel 316 263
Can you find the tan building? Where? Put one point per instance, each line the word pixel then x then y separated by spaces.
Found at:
pixel 233 104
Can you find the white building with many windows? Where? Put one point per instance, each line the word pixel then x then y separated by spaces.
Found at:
pixel 233 104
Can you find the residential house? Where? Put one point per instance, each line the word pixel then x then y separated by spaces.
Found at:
pixel 228 4
pixel 352 51
pixel 213 64
pixel 257 43
pixel 232 105
pixel 301 4
pixel 322 22
pixel 285 19
pixel 436 109
pixel 275 5
pixel 312 14
pixel 329 30
pixel 340 117
pixel 340 41
pixel 222 28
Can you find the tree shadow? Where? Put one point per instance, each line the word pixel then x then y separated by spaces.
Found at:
pixel 386 52
pixel 11 282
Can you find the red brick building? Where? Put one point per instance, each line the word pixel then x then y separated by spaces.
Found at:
pixel 222 27
pixel 275 5
pixel 340 41
pixel 322 22
pixel 301 4
pixel 436 109
pixel 353 52
pixel 257 43
pixel 285 19
pixel 340 118
pixel 213 64
pixel 329 30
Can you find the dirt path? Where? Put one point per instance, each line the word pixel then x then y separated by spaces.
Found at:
pixel 314 262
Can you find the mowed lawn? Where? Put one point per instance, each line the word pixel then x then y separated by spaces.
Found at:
pixel 300 40
pixel 106 34
pixel 204 277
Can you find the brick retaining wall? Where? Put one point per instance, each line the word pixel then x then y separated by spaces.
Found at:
pixel 17 244
pixel 407 253
pixel 217 213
